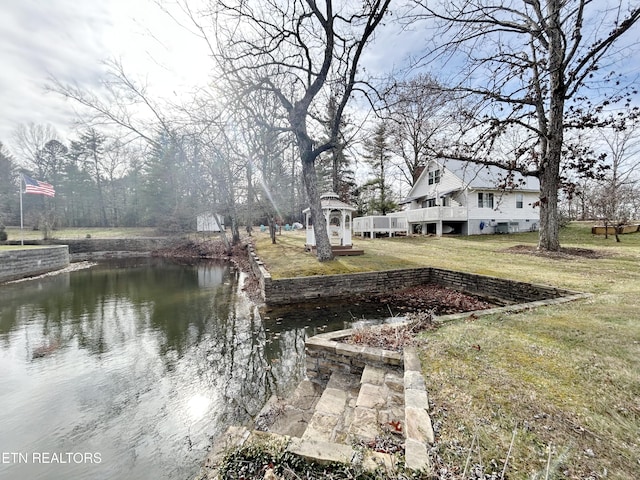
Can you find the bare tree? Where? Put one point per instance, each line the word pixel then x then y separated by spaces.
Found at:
pixel 531 64
pixel 419 111
pixel 296 51
pixel 29 140
pixel 121 102
pixel 125 103
pixel 613 195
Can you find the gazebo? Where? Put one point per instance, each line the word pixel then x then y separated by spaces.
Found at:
pixel 338 215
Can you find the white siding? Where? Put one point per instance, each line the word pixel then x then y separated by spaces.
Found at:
pixel 207 223
pixel 504 210
pixel 464 205
pixel 448 182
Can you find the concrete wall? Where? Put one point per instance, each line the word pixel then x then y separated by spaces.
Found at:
pixel 303 289
pixel 27 262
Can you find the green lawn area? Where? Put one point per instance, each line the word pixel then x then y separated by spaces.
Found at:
pixel 564 378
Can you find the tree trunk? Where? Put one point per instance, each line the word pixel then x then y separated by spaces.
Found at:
pixel 549 238
pixel 249 198
pixel 323 245
pixel 550 169
pixel 235 231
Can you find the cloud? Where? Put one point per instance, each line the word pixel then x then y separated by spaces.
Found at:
pixel 70 40
pixel 60 38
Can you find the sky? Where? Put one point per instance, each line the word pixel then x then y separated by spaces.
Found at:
pixel 71 39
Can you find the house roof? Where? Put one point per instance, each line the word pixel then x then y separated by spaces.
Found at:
pixel 478 176
pixel 475 177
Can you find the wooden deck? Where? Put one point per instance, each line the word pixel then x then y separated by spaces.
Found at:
pixel 341 251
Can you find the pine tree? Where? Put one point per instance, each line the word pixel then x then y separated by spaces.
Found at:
pixel 378 156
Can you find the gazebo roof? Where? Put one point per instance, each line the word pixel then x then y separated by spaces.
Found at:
pixel 331 201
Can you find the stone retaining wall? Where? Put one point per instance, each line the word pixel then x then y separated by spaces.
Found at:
pixel 326 353
pixel 95 249
pixel 28 262
pixel 90 248
pixel 304 289
pixel 497 290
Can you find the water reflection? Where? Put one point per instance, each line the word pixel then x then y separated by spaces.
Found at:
pixel 142 363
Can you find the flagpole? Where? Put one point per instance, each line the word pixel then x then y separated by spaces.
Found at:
pixel 21 222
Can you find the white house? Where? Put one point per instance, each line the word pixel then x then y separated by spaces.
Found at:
pixel 452 196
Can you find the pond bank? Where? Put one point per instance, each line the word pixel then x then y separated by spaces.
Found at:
pixel 28 262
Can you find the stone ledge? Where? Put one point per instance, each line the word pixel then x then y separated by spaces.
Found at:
pixel 416 455
pixel 321 452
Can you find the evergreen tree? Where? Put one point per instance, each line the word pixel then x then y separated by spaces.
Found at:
pixel 170 184
pixel 335 172
pixel 9 208
pixel 378 156
pixel 89 151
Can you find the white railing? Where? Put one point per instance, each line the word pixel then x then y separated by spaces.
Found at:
pixel 432 214
pixel 380 224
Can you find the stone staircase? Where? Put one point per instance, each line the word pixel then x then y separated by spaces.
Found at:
pixel 353 399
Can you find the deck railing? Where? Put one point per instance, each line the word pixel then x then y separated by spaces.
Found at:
pixel 380 224
pixel 433 214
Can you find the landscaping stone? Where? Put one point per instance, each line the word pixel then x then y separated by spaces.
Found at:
pixel 416 455
pixel 414 380
pixel 364 425
pixel 320 451
pixel 416 399
pixel 371 396
pixel 373 375
pixel 411 359
pixel 418 425
pixel 332 401
pixel 322 427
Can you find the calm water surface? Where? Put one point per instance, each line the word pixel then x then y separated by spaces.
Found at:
pixel 129 370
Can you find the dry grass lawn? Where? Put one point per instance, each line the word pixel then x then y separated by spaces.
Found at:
pixel 14 233
pixel 564 379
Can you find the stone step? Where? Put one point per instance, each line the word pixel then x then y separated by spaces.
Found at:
pixel 290 416
pixel 379 408
pixel 419 432
pixel 328 417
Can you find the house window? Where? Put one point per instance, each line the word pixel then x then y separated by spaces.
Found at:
pixel 434 177
pixel 485 200
pixel 431 202
pixel 519 200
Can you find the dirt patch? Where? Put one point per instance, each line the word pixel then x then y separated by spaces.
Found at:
pixel 565 253
pixel 440 300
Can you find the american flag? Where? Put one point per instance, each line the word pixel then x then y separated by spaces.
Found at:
pixel 39 188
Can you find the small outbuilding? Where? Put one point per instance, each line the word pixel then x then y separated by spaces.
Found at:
pixel 210 222
pixel 338 216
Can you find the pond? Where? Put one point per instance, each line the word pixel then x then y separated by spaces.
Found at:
pixel 130 369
